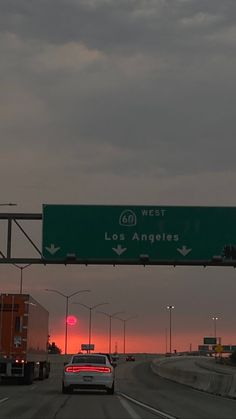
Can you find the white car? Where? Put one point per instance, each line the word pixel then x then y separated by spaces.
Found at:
pixel 88 371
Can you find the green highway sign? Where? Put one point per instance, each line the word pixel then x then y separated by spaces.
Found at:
pixel 203 348
pixel 123 234
pixel 227 348
pixel 209 341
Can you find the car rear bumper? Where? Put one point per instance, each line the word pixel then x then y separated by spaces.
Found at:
pixel 89 386
pixel 83 381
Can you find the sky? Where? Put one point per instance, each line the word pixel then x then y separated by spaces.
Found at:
pixel 120 102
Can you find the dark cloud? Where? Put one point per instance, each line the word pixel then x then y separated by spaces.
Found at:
pixel 109 25
pixel 116 101
pixel 154 77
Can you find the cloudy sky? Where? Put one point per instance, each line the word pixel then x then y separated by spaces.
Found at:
pixel 121 102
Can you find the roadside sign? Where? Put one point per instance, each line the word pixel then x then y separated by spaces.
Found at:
pixel 219 349
pixel 135 234
pixel 209 341
pixel 87 347
pixel 204 348
pixel 226 348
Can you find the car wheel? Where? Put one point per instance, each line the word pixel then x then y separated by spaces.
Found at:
pixel 111 390
pixel 66 390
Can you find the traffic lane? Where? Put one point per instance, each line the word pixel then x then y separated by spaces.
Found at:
pixel 11 388
pixel 89 405
pixel 44 399
pixel 95 405
pixel 26 401
pixel 178 400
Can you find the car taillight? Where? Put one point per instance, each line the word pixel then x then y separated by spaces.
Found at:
pixel 86 368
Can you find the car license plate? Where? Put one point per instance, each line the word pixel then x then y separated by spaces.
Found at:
pixel 87 378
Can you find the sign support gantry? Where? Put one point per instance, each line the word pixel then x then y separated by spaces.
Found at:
pixel 11 225
pixel 120 235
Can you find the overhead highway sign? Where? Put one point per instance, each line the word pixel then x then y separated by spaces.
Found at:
pixel 123 234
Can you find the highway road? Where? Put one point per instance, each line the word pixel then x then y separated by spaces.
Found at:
pixel 140 394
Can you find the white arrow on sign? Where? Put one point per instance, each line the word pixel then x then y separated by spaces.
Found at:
pixel 184 251
pixel 119 249
pixel 52 249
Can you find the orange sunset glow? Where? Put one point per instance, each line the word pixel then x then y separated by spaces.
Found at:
pixel 137 339
pixel 134 343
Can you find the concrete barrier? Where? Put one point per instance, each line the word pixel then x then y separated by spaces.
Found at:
pixel 189 371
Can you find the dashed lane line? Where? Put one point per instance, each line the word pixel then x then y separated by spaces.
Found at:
pixel 147 407
pixel 4 400
pixel 129 408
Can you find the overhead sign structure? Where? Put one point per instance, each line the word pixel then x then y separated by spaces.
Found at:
pixel 217 348
pixel 139 234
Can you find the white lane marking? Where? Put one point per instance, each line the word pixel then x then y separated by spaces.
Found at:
pixel 3 400
pixel 146 406
pixel 32 388
pixel 129 409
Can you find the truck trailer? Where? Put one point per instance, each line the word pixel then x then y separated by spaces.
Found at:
pixel 23 338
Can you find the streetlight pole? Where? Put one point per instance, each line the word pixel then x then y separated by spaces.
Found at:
pixel 90 308
pixel 21 274
pixel 214 318
pixel 110 317
pixel 124 335
pixel 170 308
pixel 124 331
pixel 166 337
pixel 67 297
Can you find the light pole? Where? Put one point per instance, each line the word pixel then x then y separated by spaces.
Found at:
pixel 214 318
pixel 90 308
pixel 170 308
pixel 166 337
pixel 67 297
pixel 124 330
pixel 110 317
pixel 21 274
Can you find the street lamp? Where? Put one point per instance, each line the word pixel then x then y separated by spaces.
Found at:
pixel 21 274
pixel 124 333
pixel 110 317
pixel 67 297
pixel 170 308
pixel 214 318
pixel 90 308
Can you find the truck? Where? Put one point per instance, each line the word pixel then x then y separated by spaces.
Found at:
pixel 23 338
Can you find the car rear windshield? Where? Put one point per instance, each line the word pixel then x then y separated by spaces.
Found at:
pixel 89 359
